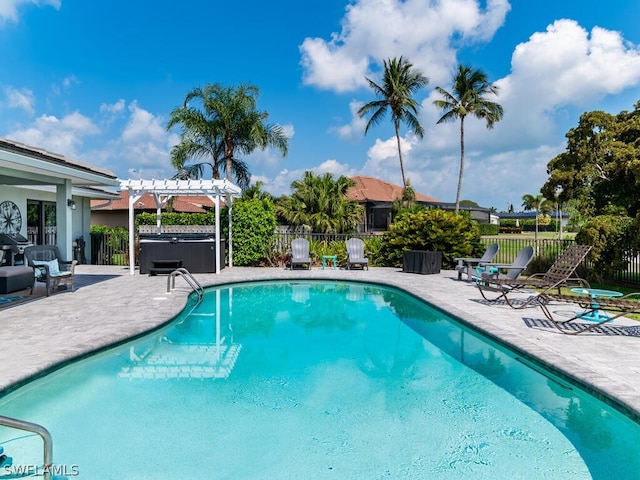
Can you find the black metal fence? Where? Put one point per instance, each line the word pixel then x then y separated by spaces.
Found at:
pixel 283 240
pixel 113 249
pixel 545 249
pixel 110 248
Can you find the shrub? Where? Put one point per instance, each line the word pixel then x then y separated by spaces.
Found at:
pixel 435 230
pixel 254 224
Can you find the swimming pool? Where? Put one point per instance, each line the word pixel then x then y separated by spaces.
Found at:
pixel 333 380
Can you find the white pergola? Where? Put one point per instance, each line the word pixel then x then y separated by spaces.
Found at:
pixel 163 190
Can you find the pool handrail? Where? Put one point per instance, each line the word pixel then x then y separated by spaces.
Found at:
pixel 40 430
pixel 189 278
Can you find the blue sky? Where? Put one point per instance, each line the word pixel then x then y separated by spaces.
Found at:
pixel 96 81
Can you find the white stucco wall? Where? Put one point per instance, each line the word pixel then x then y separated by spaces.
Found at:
pixel 80 217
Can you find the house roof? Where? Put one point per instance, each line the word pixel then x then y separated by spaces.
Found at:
pixel 373 189
pixel 186 204
pixel 26 165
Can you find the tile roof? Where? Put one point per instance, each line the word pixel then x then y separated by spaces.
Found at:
pixel 373 189
pixel 187 204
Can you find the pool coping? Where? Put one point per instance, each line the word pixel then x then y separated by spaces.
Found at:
pixel 110 306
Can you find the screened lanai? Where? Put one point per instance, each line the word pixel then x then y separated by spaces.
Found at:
pixel 163 190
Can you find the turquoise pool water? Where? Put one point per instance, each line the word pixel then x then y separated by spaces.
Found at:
pixel 317 380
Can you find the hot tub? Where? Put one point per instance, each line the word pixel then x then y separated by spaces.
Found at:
pixel 196 251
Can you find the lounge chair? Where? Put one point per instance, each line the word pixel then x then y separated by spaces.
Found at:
pixel 559 275
pixel 355 254
pixel 300 254
pixel 466 264
pixel 595 311
pixel 491 271
pixel 49 266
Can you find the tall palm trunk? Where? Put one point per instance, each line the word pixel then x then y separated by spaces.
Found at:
pixel 404 180
pixel 461 164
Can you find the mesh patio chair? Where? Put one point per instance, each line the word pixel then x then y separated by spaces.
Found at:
pixel 559 275
pixel 595 311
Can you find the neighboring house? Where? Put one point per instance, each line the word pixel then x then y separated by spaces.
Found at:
pixel 45 197
pixel 377 197
pixel 115 213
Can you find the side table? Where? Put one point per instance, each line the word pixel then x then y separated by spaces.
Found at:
pixel 333 258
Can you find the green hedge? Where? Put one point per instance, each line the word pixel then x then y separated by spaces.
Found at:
pixel 177 218
pixel 488 228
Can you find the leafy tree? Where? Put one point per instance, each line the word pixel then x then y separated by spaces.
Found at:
pixel 610 238
pixel 400 81
pixel 601 164
pixel 468 97
pixel 319 203
pixel 226 124
pixel 431 229
pixel 537 203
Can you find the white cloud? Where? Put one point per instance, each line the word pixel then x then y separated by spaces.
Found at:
pixel 143 125
pixel 113 108
pixel 373 30
pixel 281 183
pixel 59 135
pixel 288 130
pixel 355 128
pixel 23 99
pixel 144 143
pixel 565 64
pixel 67 82
pixel 9 8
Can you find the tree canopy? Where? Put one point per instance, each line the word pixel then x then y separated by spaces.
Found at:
pixel 600 168
pixel 218 123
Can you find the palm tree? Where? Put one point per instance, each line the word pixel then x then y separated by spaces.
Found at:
pixel 255 192
pixel 468 97
pixel 319 203
pixel 198 140
pixel 228 124
pixel 539 204
pixel 399 82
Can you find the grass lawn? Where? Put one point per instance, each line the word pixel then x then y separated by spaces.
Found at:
pixel 532 235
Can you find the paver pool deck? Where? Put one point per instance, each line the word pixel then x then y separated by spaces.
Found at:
pixel 110 305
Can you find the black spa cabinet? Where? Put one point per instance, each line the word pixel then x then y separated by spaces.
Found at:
pixel 197 252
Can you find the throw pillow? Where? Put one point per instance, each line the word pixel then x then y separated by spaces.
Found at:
pixel 54 267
